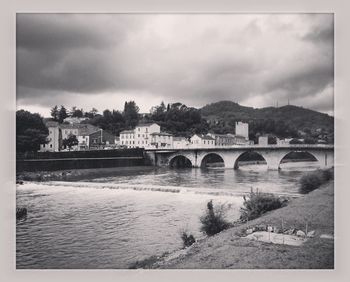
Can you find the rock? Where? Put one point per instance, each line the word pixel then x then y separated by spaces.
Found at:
pixel 20 182
pixel 290 231
pixel 301 233
pixel 276 230
pixel 326 236
pixel 249 231
pixel 269 228
pixel 311 234
pixel 261 228
pixel 21 212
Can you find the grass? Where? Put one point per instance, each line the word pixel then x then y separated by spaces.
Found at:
pixel 314 180
pixel 228 250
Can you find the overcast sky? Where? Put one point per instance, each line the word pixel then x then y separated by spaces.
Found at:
pixel 103 60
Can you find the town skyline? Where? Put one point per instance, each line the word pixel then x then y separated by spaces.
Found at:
pixel 96 60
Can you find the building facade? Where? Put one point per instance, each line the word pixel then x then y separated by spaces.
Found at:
pixel 202 141
pixel 54 138
pixel 180 143
pixel 161 140
pixel 242 129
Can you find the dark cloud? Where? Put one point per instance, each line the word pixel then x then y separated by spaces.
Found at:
pixel 197 59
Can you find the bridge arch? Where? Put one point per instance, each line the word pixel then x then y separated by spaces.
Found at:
pixel 300 155
pixel 212 158
pixel 258 157
pixel 180 161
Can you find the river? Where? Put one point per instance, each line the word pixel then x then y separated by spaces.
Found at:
pixel 110 222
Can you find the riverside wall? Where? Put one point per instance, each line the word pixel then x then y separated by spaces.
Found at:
pixel 49 161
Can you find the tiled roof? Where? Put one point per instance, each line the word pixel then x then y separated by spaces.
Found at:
pixel 179 138
pixel 127 132
pixel 161 133
pixel 145 124
pixel 204 137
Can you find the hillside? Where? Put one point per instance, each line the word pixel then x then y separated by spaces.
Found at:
pixel 284 121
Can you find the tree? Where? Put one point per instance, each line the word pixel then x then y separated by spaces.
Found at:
pixel 62 114
pixel 92 113
pixel 54 113
pixel 30 131
pixel 76 112
pixel 130 114
pixel 70 141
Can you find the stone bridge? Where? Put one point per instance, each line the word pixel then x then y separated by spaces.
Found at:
pixel 273 155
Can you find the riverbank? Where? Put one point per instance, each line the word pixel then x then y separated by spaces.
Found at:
pixel 231 250
pixel 76 174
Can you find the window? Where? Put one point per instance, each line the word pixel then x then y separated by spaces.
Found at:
pixel 139 128
pixel 43 145
pixel 138 135
pixel 50 145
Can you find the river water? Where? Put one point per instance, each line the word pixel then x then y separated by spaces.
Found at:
pixel 110 222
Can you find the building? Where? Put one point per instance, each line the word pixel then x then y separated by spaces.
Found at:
pixel 223 139
pixel 242 129
pixel 161 140
pixel 83 132
pixel 54 138
pixel 127 138
pixel 202 141
pixel 180 142
pixel 146 135
pixel 142 134
pixel 101 139
pixel 263 141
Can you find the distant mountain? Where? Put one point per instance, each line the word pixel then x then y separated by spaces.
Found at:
pixel 222 116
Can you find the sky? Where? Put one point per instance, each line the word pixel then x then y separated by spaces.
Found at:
pixel 103 60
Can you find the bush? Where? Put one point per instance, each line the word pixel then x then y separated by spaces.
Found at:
pixel 257 203
pixel 213 221
pixel 315 179
pixel 146 263
pixel 187 240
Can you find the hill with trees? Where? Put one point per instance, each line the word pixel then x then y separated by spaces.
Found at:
pixel 284 122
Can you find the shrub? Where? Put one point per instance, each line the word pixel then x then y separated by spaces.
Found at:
pixel 146 263
pixel 257 203
pixel 315 179
pixel 187 240
pixel 213 221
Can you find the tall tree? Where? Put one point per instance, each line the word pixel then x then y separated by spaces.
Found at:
pixel 30 131
pixel 62 114
pixel 130 114
pixel 54 113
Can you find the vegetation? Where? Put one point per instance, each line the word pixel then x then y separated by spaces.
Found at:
pixel 257 203
pixel 213 221
pixel 314 180
pixel 30 131
pixel 70 141
pixel 283 122
pixel 145 263
pixel 187 240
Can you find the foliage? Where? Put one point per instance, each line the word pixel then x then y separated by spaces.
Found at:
pixel 314 180
pixel 54 113
pixel 213 221
pixel 130 114
pixel 187 240
pixel 178 119
pixel 74 112
pixel 62 114
pixel 70 141
pixel 257 203
pixel 30 131
pixel 283 122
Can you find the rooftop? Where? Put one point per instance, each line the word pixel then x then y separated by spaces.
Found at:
pixel 127 132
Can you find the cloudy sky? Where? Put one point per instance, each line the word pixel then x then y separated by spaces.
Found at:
pixel 103 60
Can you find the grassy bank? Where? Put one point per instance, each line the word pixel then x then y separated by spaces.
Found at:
pixel 229 249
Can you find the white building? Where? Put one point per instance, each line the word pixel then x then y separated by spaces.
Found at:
pixel 263 141
pixel 202 141
pixel 127 138
pixel 54 138
pixel 242 129
pixel 180 142
pixel 161 140
pixel 142 134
